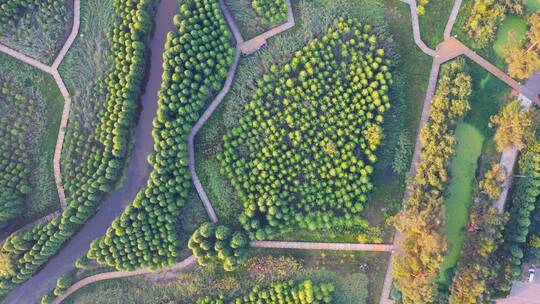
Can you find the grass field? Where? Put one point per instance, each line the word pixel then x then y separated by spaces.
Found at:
pixel 246 18
pixel 433 22
pixel 44 198
pixel 460 190
pixel 357 277
pixel 312 17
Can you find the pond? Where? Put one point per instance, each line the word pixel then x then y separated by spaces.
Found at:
pixel 532 6
pixel 518 25
pixel 460 191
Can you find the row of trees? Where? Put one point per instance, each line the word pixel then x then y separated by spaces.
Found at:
pixel 514 125
pixel 217 244
pixel 196 62
pixel 421 221
pixel 271 12
pixel 290 292
pixel 524 201
pixel 305 148
pixel 18 118
pixel 523 54
pixel 25 251
pixel 486 15
pixel 475 272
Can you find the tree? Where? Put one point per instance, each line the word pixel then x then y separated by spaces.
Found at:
pixel 217 244
pixel 492 181
pixel 7 267
pixel 522 55
pixel 514 126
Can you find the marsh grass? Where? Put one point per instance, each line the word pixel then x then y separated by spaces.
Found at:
pixel 357 277
pixel 434 21
pixel 44 36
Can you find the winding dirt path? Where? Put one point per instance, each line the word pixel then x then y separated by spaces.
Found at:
pixel 138 171
pixel 200 123
pixel 209 111
pixel 53 70
pixel 121 274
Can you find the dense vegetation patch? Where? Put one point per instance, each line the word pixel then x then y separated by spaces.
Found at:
pixel 217 244
pixel 271 11
pixel 101 160
pixel 523 53
pixel 484 17
pixel 286 292
pixel 196 61
pixel 474 272
pixel 305 148
pixel 19 121
pixel 35 27
pixel 519 230
pixel 421 220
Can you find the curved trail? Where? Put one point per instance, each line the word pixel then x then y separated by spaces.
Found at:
pixel 120 274
pixel 138 172
pixel 200 123
pixel 53 70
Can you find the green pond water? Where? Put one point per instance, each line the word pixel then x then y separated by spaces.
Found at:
pixel 532 6
pixel 460 191
pixel 515 24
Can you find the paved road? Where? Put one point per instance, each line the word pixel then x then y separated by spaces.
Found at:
pixel 138 172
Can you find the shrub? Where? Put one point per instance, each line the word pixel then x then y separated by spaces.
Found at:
pixel 213 244
pixel 62 285
pixel 82 262
pixel 403 154
pixel 271 12
pixel 47 299
pixel 286 292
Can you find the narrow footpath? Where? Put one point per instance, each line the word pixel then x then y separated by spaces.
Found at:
pixel 138 172
pixel 53 70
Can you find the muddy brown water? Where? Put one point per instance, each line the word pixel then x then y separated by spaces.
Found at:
pixel 137 174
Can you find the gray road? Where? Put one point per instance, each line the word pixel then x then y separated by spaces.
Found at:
pixel 138 172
